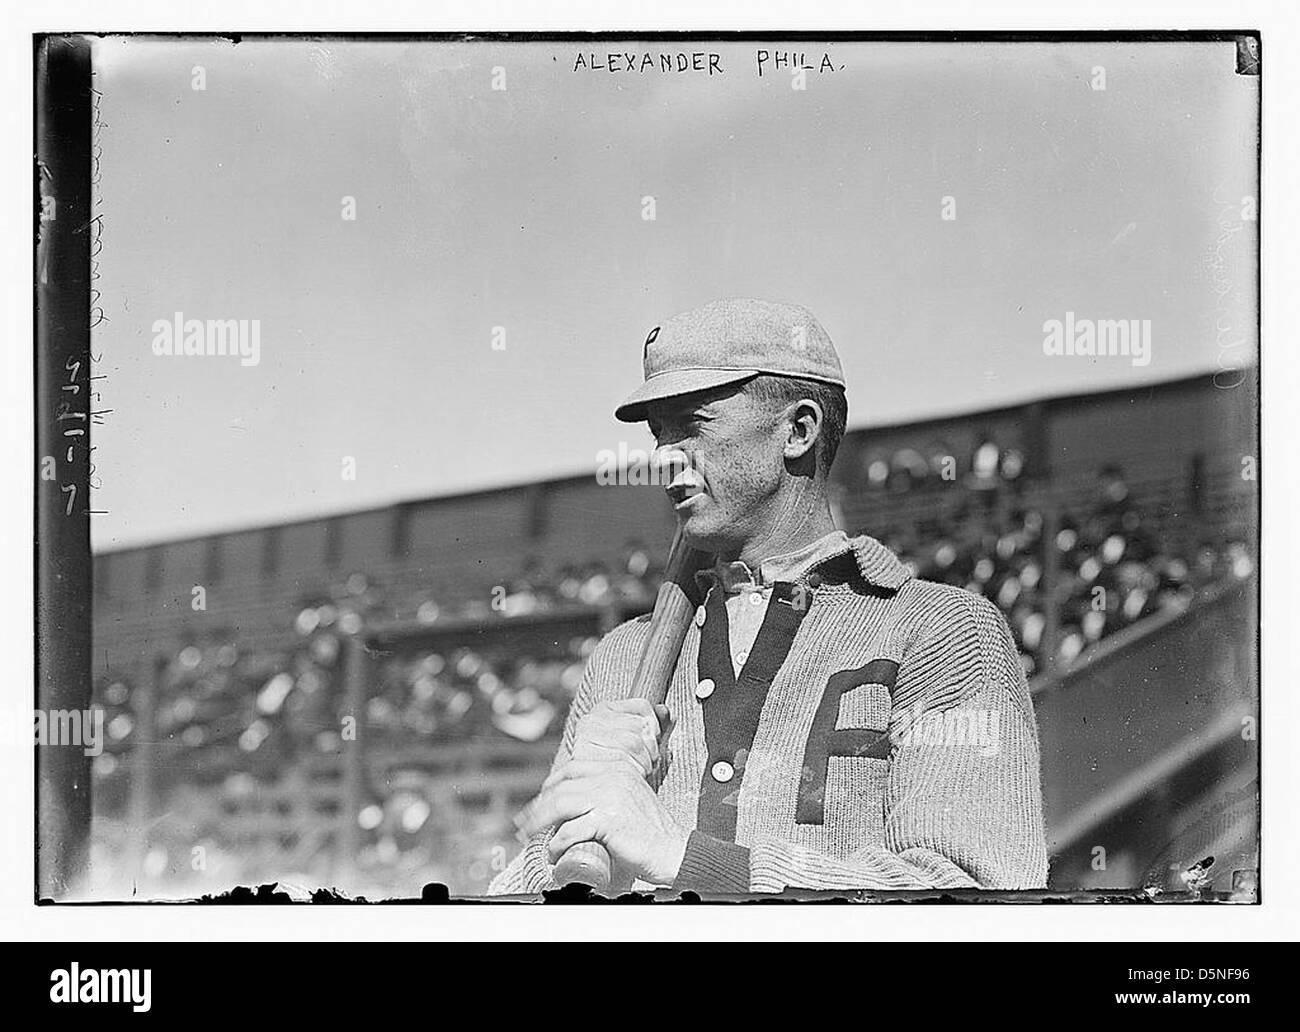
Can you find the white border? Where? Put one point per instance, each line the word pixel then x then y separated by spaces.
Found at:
pixel 1275 919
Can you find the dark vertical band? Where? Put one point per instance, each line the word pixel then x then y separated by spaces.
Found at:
pixel 732 711
pixel 63 408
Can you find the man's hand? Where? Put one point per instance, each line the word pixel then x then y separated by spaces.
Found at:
pixel 601 793
pixel 622 729
pixel 609 801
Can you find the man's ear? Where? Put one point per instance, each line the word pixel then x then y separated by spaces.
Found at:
pixel 804 421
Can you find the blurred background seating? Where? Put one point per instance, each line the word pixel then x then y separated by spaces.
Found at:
pixel 376 726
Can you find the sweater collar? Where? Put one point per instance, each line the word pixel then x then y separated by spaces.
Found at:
pixel 876 563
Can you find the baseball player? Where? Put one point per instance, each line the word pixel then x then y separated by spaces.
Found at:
pixel 832 722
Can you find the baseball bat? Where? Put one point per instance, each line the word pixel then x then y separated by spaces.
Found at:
pixel 588 863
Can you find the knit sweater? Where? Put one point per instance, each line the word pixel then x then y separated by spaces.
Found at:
pixel 879 735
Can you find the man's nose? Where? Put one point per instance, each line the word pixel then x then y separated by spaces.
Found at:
pixel 667 461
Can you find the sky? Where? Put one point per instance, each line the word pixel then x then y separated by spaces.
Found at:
pixel 523 209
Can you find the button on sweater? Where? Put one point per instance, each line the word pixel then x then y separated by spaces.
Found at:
pixel 877 734
pixel 748 592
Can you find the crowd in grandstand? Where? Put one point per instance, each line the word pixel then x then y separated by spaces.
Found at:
pixel 1110 568
pixel 226 711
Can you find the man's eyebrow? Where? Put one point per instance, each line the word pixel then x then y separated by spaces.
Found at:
pixel 697 405
pixel 677 411
pixel 700 407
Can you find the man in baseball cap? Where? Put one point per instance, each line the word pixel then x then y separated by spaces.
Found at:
pixel 810 707
pixel 746 400
pixel 727 342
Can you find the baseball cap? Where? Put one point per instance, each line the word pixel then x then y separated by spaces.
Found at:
pixel 728 341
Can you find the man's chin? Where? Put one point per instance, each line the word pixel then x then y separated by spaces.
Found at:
pixel 697 531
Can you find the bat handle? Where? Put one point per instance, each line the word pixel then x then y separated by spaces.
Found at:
pixel 586 863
